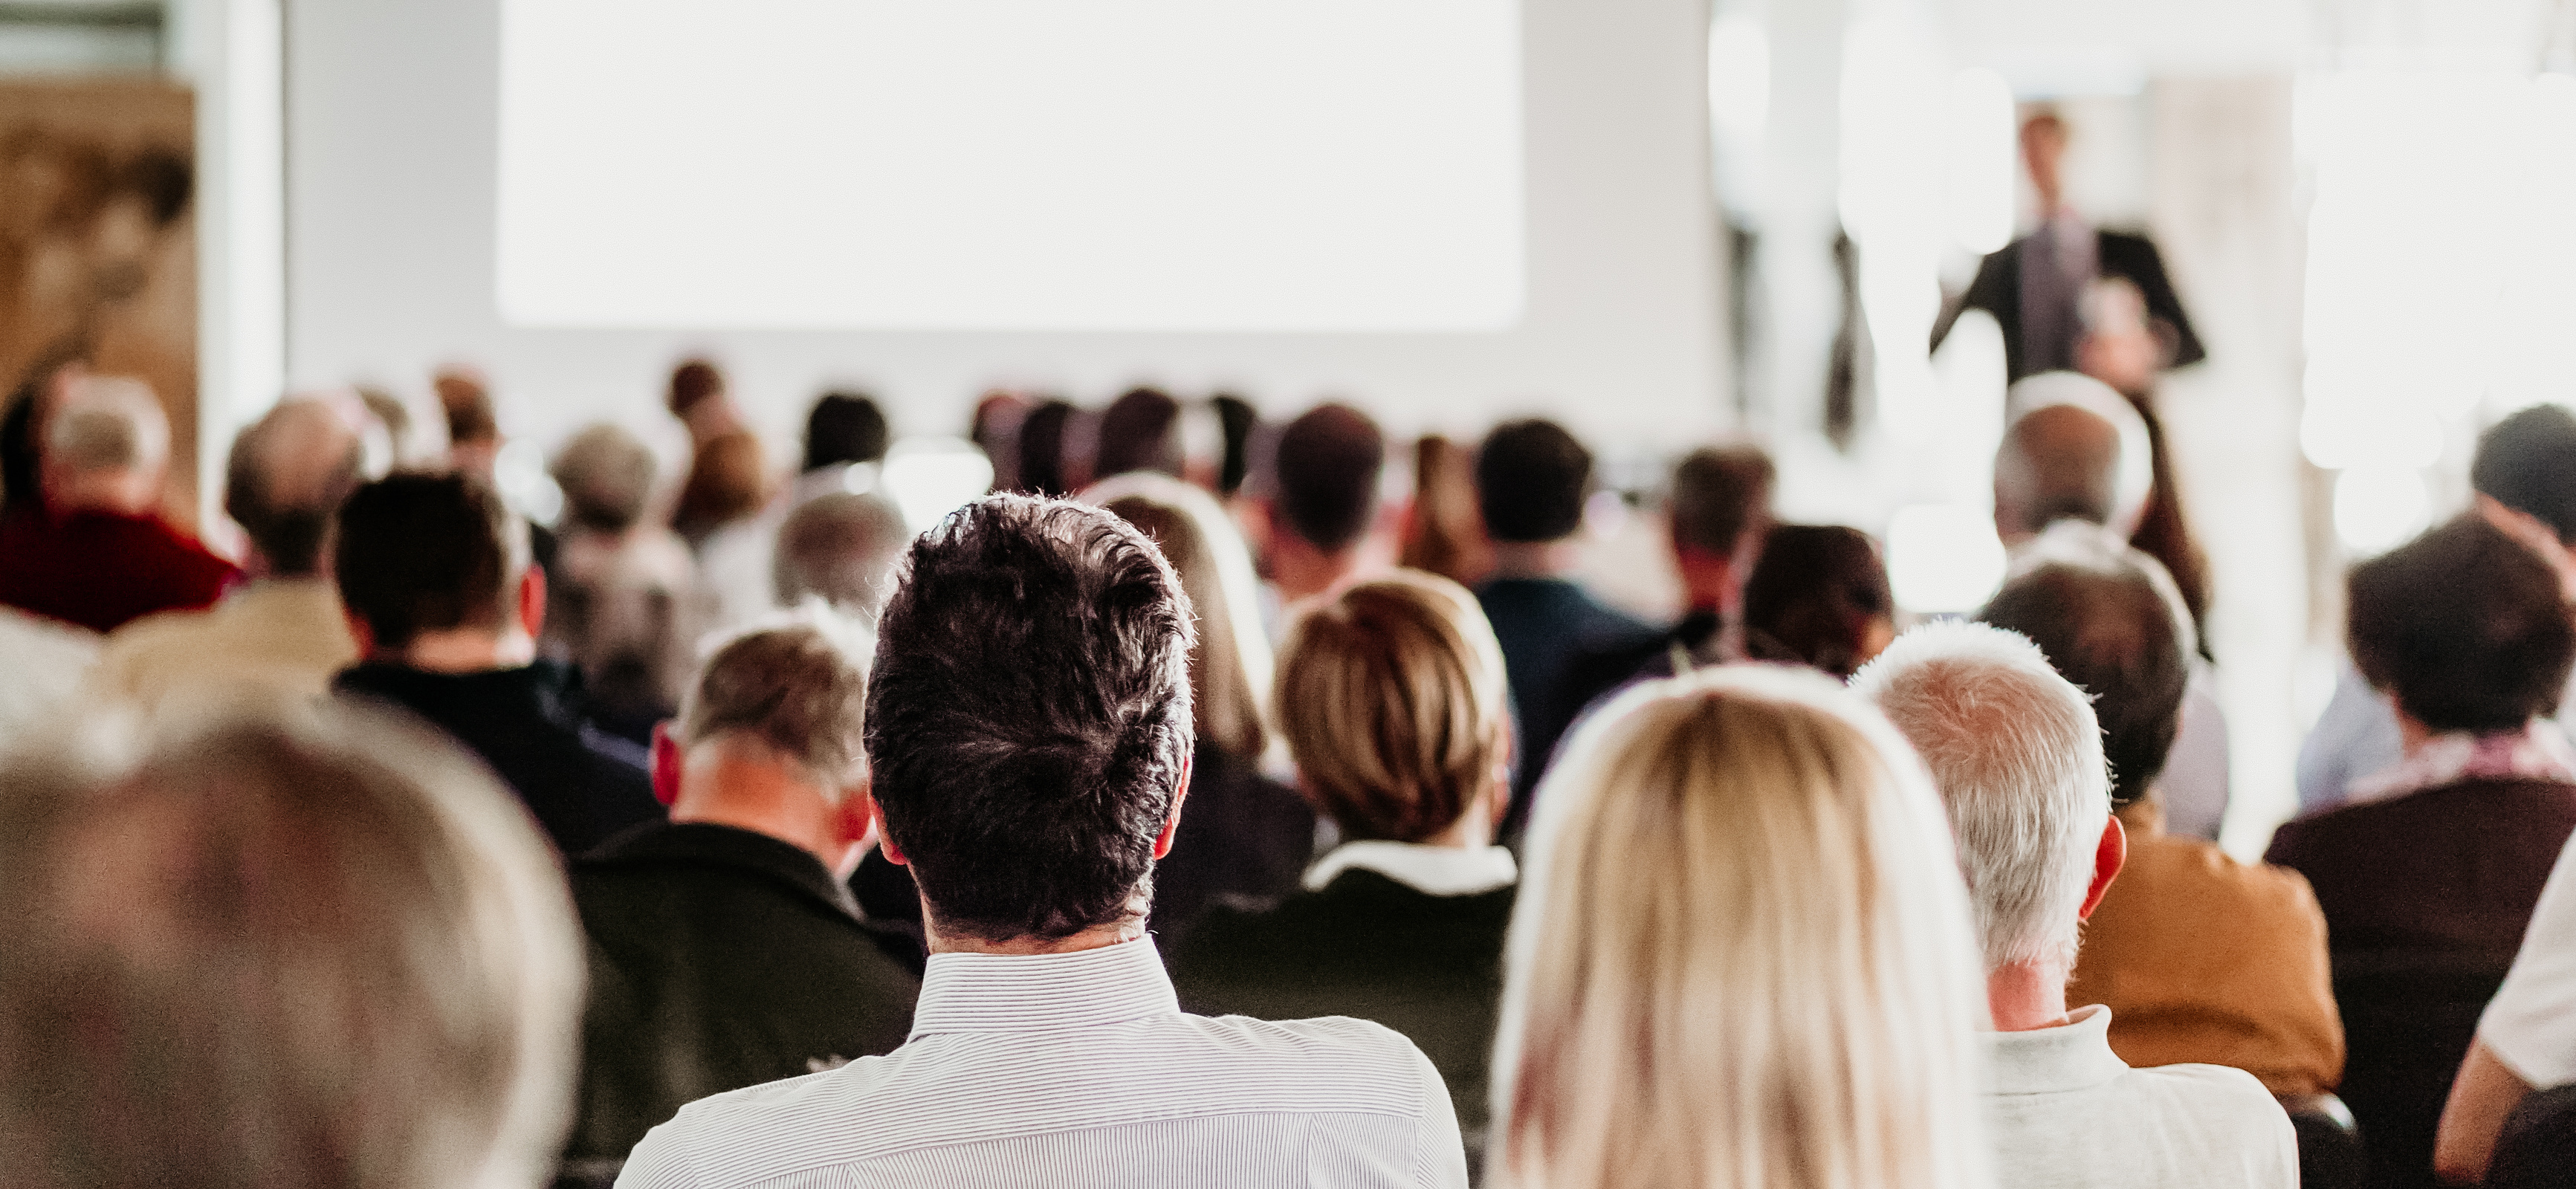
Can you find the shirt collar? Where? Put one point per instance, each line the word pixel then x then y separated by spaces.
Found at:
pixel 1043 992
pixel 1436 870
pixel 2538 751
pixel 2075 1055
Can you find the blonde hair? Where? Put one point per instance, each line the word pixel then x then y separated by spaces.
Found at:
pixel 1393 700
pixel 1230 664
pixel 1741 956
pixel 2017 754
pixel 309 950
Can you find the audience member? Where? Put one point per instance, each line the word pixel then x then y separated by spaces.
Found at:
pixel 1318 507
pixel 1139 431
pixel 1236 421
pixel 474 442
pixel 1029 731
pixel 2199 958
pixel 47 662
pixel 1042 469
pixel 446 607
pixel 843 428
pixel 1819 598
pixel 2524 474
pixel 842 549
pixel 2016 753
pixel 728 476
pixel 315 951
pixel 846 439
pixel 283 632
pixel 2526 1039
pixel 625 605
pixel 2074 449
pixel 95 552
pixel 2429 871
pixel 1444 533
pixel 22 432
pixel 1391 695
pixel 1245 836
pixel 1742 958
pixel 724 950
pixel 1532 479
pixel 2120 348
pixel 995 430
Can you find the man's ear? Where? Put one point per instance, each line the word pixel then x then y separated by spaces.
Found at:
pixel 2108 857
pixel 667 765
pixel 532 600
pixel 885 839
pixel 857 816
pixel 1172 824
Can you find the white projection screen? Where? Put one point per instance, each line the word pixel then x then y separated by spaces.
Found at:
pixel 1012 165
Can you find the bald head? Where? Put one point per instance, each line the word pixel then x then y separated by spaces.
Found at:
pixel 288 473
pixel 2057 461
pixel 107 445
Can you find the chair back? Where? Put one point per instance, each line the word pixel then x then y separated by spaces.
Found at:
pixel 2537 1149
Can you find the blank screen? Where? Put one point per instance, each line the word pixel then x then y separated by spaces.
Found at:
pixel 1096 165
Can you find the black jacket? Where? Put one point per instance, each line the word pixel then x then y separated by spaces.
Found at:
pixel 1370 947
pixel 583 786
pixel 719 958
pixel 2133 258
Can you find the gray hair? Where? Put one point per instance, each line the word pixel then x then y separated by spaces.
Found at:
pixel 312 948
pixel 841 548
pixel 107 423
pixel 2041 481
pixel 795 690
pixel 606 474
pixel 286 476
pixel 2017 755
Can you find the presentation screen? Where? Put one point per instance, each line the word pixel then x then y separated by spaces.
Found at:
pixel 1002 165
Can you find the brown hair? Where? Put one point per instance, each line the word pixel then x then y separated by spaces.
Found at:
pixel 1392 696
pixel 1445 534
pixel 796 691
pixel 2464 627
pixel 728 480
pixel 314 950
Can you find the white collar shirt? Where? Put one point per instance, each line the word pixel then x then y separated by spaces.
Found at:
pixel 2069 1114
pixel 1079 1070
pixel 1432 870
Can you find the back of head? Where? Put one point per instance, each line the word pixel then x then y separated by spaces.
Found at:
pixel 1445 534
pixel 845 427
pixel 1236 419
pixel 420 552
pixel 2017 756
pixel 2107 619
pixel 841 548
pixel 1029 716
pixel 1720 494
pixel 728 480
pixel 1326 465
pixel 2527 462
pixel 1140 431
pixel 1393 700
pixel 1532 478
pixel 1740 956
pixel 1230 663
pixel 606 474
pixel 796 691
pixel 318 951
pixel 467 403
pixel 2072 447
pixel 1819 597
pixel 1042 469
pixel 107 423
pixel 693 383
pixel 288 473
pixel 2464 627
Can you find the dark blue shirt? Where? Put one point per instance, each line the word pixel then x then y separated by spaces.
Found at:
pixel 1546 626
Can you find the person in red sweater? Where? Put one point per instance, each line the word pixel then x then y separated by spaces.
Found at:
pixel 94 551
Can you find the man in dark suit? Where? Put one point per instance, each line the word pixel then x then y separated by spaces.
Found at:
pixel 724 949
pixel 445 604
pixel 2035 285
pixel 1532 479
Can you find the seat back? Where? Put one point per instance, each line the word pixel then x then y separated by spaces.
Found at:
pixel 2537 1149
pixel 2331 1154
pixel 2408 1021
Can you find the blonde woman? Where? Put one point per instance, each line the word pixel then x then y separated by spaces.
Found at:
pixel 1742 955
pixel 1244 834
pixel 1393 699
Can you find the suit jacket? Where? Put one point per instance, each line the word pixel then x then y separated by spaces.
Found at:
pixel 719 959
pixel 1547 627
pixel 582 786
pixel 1370 947
pixel 2133 258
pixel 1242 835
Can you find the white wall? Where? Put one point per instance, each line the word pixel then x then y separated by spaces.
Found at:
pixel 390 220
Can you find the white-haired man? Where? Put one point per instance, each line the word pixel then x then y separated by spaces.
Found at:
pixel 97 553
pixel 2017 754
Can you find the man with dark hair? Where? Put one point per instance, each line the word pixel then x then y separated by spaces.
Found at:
pixel 1532 479
pixel 2524 474
pixel 724 949
pixel 1319 501
pixel 1139 431
pixel 446 609
pixel 287 475
pixel 1029 730
pixel 845 427
pixel 2200 958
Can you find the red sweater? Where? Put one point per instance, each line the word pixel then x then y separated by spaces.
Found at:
pixel 101 570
